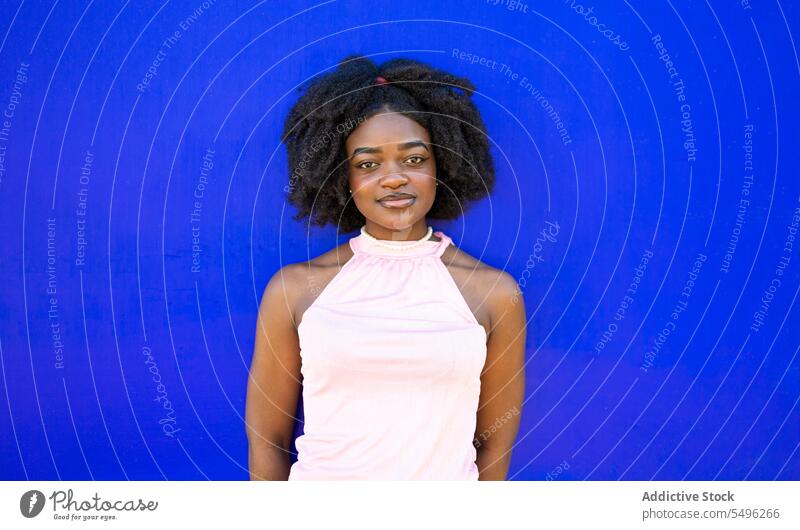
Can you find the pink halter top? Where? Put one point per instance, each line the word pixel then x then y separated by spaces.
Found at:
pixel 391 363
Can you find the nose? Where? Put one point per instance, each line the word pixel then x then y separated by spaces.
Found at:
pixel 393 180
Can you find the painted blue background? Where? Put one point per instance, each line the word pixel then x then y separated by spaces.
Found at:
pixel 720 400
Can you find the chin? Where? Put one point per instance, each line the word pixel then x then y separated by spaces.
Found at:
pixel 398 225
pixel 396 222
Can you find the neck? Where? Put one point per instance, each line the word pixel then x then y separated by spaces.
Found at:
pixel 411 233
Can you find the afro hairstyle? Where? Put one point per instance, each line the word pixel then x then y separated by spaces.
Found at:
pixel 332 105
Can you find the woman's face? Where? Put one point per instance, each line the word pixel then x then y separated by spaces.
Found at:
pixel 391 170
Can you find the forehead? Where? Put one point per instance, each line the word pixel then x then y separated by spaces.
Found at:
pixel 383 129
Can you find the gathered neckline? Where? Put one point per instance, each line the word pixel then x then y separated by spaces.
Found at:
pixel 364 245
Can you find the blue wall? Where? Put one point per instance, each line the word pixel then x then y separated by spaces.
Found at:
pixel 656 145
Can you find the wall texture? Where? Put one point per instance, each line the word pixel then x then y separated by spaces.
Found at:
pixel 647 200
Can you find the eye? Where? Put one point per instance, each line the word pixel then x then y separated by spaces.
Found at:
pixel 361 164
pixel 419 159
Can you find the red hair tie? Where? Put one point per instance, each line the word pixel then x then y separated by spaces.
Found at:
pixel 380 80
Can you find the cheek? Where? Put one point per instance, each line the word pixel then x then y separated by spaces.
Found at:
pixel 363 196
pixel 429 188
pixel 362 187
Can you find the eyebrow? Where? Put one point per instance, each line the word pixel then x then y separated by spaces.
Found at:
pixel 404 146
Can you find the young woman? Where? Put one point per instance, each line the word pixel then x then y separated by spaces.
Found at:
pixel 411 351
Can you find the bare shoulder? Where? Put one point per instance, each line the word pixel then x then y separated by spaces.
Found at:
pixel 294 276
pixel 298 284
pixel 335 257
pixel 281 288
pixel 495 285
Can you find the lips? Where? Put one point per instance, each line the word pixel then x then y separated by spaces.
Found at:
pixel 398 200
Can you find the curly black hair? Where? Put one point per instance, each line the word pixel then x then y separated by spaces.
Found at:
pixel 333 104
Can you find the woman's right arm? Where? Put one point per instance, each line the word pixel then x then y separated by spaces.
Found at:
pixel 274 382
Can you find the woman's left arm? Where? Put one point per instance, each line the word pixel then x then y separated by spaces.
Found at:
pixel 502 381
